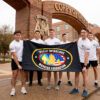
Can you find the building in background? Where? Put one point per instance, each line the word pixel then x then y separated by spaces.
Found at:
pixel 63 27
pixel 72 35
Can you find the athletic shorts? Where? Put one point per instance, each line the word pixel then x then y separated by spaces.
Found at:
pixel 14 65
pixel 82 65
pixel 93 63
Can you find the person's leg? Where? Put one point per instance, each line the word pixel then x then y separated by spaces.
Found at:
pixel 27 76
pixel 75 90
pixel 94 64
pixel 39 74
pixel 68 77
pixel 23 79
pixel 95 76
pixel 14 77
pixel 55 77
pixel 49 80
pixel 60 78
pixel 60 75
pixel 85 80
pixel 77 80
pixel 13 81
pixel 30 77
pixel 49 77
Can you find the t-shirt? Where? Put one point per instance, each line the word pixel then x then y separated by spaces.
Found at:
pixel 17 47
pixel 62 42
pixel 38 41
pixel 93 52
pixel 52 41
pixel 83 47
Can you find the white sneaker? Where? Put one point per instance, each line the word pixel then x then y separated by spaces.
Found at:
pixel 57 87
pixel 23 90
pixel 48 87
pixel 13 92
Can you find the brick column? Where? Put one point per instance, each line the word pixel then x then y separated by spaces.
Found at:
pixel 35 9
pixel 25 17
pixel 22 21
pixel 47 14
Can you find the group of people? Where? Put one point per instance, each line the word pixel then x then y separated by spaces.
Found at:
pixel 87 48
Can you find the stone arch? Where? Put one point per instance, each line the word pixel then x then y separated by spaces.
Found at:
pixel 64 12
pixel 26 11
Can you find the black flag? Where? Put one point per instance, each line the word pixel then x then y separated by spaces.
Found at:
pixel 41 57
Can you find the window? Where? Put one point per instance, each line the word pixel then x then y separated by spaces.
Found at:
pixel 66 26
pixel 58 28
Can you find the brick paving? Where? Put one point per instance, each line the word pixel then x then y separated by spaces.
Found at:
pixel 40 93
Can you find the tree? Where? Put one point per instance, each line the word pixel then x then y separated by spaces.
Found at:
pixel 5 39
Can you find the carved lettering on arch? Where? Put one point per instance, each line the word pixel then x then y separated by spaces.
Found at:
pixel 63 8
pixel 60 7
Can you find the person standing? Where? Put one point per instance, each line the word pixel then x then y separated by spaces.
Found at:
pixel 16 49
pixel 83 49
pixel 93 60
pixel 64 41
pixel 52 40
pixel 37 39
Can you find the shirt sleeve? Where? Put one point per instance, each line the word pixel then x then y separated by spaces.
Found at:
pixel 97 45
pixel 12 47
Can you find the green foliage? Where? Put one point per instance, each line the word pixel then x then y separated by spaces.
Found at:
pixel 5 39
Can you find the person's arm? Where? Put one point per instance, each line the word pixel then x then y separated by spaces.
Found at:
pixel 86 58
pixel 97 49
pixel 13 54
pixel 86 55
pixel 16 60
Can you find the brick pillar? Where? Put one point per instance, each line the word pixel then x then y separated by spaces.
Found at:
pixel 35 9
pixel 49 17
pixel 25 17
pixel 22 21
pixel 47 14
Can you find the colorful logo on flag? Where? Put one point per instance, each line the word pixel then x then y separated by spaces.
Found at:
pixel 52 59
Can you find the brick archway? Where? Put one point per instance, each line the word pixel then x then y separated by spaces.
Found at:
pixel 65 13
pixel 26 11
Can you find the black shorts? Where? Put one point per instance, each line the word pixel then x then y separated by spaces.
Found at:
pixel 14 65
pixel 93 63
pixel 82 65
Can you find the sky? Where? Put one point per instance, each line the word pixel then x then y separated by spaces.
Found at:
pixel 88 8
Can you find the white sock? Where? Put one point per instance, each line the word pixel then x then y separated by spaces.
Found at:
pixel 95 81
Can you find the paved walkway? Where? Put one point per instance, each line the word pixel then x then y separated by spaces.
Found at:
pixel 40 93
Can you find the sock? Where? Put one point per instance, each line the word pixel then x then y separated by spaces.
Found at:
pixel 95 81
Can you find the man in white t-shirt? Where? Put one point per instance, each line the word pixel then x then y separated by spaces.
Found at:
pixel 64 41
pixel 93 60
pixel 84 49
pixel 52 40
pixel 16 49
pixel 37 39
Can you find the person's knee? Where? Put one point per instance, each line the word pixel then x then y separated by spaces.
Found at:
pixel 14 76
pixel 95 68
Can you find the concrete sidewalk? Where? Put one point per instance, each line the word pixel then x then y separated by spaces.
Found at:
pixel 40 93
